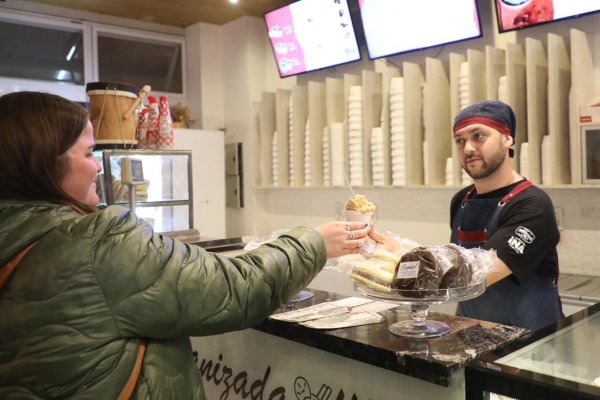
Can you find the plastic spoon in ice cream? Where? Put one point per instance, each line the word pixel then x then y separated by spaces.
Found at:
pixel 349 185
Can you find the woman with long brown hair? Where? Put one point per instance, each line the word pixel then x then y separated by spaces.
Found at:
pixel 96 305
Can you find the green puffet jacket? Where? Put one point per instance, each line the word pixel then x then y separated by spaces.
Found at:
pixel 75 309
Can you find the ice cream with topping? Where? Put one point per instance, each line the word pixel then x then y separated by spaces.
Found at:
pixel 360 203
pixel 359 208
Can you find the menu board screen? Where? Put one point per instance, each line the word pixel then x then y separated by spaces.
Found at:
pixel 399 26
pixel 308 35
pixel 518 14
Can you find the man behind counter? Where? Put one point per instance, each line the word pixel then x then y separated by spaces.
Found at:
pixel 505 212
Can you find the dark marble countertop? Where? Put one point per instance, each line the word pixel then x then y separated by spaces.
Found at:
pixel 436 360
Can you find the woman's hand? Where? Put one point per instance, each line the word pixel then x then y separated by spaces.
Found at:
pixel 343 237
pixel 384 241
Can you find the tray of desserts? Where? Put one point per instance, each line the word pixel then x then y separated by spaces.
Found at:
pixel 424 274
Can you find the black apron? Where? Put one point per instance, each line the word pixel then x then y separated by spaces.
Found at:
pixel 532 304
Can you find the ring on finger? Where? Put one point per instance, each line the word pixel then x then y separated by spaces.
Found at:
pixel 351 235
pixel 348 227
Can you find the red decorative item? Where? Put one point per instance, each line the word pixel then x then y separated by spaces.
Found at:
pixel 153 116
pixel 165 123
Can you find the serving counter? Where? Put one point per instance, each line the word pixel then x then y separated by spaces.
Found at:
pixel 279 360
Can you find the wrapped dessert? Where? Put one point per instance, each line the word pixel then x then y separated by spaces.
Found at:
pixel 425 269
pixel 377 275
pixel 422 271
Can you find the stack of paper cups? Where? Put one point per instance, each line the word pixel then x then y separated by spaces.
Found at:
pixel 307 166
pixel 377 156
pixel 502 90
pixel 291 142
pixel 463 85
pixel 326 157
pixel 449 171
pixel 355 136
pixel 397 137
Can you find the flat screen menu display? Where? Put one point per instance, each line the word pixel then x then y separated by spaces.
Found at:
pixel 399 26
pixel 308 35
pixel 518 14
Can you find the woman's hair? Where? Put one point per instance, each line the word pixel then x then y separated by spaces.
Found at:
pixel 36 130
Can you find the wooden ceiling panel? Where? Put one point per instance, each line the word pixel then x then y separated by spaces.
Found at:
pixel 179 13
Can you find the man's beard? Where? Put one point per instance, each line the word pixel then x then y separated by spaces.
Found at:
pixel 489 166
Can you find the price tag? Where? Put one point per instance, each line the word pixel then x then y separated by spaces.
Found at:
pixel 408 270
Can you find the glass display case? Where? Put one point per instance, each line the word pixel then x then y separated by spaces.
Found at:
pixel 558 362
pixel 156 184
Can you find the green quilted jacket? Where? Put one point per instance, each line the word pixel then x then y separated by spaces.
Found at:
pixel 73 312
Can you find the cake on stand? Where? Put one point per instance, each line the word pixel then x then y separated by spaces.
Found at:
pixel 419 326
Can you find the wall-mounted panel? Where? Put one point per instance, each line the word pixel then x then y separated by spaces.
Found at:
pixel 372 103
pixel 495 60
pixel 559 86
pixel 267 130
pixel 582 92
pixel 455 60
pixel 299 115
pixel 317 115
pixel 516 96
pixel 537 104
pixel 437 129
pixel 413 123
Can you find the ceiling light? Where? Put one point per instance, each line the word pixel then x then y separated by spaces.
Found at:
pixel 233 1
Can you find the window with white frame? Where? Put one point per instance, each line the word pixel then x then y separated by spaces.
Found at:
pixel 44 54
pixel 139 58
pixel 60 56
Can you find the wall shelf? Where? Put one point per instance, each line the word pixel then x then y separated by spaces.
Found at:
pixel 544 89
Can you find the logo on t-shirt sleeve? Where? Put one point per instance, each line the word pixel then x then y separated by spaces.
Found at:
pixel 525 234
pixel 522 237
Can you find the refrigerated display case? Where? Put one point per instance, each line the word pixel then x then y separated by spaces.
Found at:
pixel 556 363
pixel 158 187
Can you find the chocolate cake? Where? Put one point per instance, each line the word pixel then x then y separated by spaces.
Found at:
pixel 421 270
pixel 461 272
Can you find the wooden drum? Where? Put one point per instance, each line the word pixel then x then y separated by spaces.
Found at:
pixel 111 107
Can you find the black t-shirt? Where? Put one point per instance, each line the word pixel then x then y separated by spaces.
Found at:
pixel 531 209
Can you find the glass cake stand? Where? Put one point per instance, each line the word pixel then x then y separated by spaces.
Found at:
pixel 419 300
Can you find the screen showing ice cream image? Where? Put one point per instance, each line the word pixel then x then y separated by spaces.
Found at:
pixel 518 14
pixel 308 35
pixel 393 26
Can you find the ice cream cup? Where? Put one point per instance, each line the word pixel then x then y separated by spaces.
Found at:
pixel 367 218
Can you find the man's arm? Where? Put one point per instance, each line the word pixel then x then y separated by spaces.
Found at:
pixel 499 270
